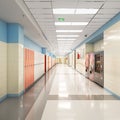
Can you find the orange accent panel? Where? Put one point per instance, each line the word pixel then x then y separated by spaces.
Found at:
pixel 28 67
pixel 48 62
pixel 45 63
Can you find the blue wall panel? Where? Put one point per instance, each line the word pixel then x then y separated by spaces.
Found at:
pixel 21 35
pixel 44 50
pixel 15 33
pixel 3 31
pixel 28 43
pixel 12 33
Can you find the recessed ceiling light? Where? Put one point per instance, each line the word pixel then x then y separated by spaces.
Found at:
pixel 65 42
pixel 63 23
pixel 63 11
pixel 86 11
pixel 79 23
pixel 71 23
pixel 75 11
pixel 67 35
pixel 62 39
pixel 68 30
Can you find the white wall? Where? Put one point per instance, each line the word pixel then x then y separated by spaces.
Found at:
pixel 15 68
pixel 112 58
pixel 80 63
pixel 70 59
pixel 21 67
pixel 98 46
pixel 3 69
pixel 38 65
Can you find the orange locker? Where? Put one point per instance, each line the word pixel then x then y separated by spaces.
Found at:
pixel 28 67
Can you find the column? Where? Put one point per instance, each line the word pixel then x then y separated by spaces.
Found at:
pixel 15 39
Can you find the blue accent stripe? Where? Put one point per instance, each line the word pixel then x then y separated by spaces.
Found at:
pixel 15 33
pixel 11 95
pixel 16 95
pixel 3 98
pixel 101 30
pixel 28 43
pixel 3 31
pixel 115 95
pixel 97 38
pixel 44 50
pixel 50 54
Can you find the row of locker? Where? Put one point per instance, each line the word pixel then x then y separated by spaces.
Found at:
pixel 28 57
pixel 33 71
pixel 28 76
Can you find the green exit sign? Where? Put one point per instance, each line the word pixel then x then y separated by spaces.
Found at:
pixel 61 19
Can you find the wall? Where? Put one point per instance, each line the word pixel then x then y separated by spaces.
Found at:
pixel 89 47
pixel 3 59
pixel 15 80
pixel 38 65
pixel 83 50
pixel 61 60
pixel 72 59
pixel 80 63
pixel 112 58
pixel 22 61
pixel 98 46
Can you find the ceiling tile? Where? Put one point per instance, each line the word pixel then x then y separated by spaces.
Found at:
pixel 90 4
pixel 41 11
pixel 37 0
pixel 99 20
pixel 109 11
pixel 38 4
pixel 104 16
pixel 112 5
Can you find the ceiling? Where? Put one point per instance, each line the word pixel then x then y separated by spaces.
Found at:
pixel 42 15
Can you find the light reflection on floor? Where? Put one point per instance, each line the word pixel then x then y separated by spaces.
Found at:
pixel 73 97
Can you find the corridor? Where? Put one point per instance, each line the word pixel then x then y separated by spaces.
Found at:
pixel 62 94
pixel 59 59
pixel 73 97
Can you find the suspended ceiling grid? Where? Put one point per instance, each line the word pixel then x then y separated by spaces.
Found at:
pixel 42 11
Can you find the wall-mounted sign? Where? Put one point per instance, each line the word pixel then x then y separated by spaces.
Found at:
pixel 61 19
pixel 78 55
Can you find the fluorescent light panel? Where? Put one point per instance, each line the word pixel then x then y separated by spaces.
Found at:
pixel 67 35
pixel 63 11
pixel 71 23
pixel 68 30
pixel 65 43
pixel 86 11
pixel 63 39
pixel 75 11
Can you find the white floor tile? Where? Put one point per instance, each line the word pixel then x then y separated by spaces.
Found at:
pixel 68 81
pixel 81 110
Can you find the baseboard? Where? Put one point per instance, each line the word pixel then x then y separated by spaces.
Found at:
pixel 15 95
pixel 3 98
pixel 115 95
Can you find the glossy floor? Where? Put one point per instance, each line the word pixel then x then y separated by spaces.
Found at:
pixel 62 94
pixel 81 110
pixel 73 97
